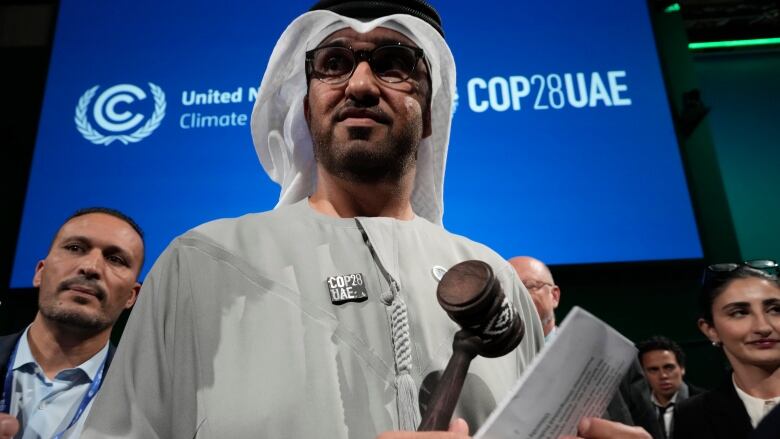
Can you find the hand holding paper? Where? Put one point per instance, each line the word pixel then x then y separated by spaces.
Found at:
pixel 595 428
pixel 573 378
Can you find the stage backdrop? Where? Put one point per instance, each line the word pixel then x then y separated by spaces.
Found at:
pixel 562 144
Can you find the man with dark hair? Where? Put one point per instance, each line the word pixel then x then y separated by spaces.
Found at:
pixel 54 367
pixel 109 211
pixel 116 214
pixel 653 400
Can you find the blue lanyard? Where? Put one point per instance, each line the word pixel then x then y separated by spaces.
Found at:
pixel 93 388
pixel 5 405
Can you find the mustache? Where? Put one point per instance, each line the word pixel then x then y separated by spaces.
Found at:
pixel 85 283
pixel 356 109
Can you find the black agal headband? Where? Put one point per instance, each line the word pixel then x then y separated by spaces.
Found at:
pixel 369 9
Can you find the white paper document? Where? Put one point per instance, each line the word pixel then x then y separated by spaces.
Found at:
pixel 575 375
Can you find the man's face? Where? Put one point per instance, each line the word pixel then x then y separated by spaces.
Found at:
pixel 366 130
pixel 544 293
pixel 663 373
pixel 89 275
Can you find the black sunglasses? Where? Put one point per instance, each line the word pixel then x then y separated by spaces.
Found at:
pixel 335 64
pixel 767 266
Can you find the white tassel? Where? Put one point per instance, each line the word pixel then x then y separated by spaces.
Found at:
pixel 406 390
pixel 408 410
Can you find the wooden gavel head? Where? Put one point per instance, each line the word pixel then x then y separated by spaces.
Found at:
pixel 474 299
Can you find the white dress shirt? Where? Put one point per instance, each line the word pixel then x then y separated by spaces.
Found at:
pixel 756 408
pixel 669 413
pixel 46 407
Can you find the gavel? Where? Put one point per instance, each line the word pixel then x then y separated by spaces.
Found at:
pixel 491 327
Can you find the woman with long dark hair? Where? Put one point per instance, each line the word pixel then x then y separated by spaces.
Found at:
pixel 740 313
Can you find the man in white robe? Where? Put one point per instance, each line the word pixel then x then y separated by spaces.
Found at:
pixel 316 319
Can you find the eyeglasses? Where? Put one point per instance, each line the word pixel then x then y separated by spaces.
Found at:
pixel 336 64
pixel 531 286
pixel 767 266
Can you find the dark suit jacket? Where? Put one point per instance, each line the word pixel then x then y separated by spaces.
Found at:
pixel 7 343
pixel 769 427
pixel 717 414
pixel 643 410
pixel 619 408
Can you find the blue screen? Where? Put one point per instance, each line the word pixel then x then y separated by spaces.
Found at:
pixel 562 144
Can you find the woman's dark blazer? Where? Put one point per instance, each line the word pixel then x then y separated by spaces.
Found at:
pixel 715 414
pixel 769 427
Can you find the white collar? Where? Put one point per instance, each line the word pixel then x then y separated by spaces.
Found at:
pixel 756 408
pixel 551 334
pixel 24 356
pixel 672 400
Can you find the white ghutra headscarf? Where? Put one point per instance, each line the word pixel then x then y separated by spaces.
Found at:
pixel 281 135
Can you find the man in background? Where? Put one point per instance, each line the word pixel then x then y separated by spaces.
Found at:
pixel 537 278
pixel 54 367
pixel 546 295
pixel 653 401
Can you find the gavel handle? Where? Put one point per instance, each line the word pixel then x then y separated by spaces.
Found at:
pixel 465 346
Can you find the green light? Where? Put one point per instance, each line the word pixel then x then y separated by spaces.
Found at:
pixel 733 43
pixel 674 7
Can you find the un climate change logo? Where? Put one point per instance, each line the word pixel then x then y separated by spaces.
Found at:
pixel 106 117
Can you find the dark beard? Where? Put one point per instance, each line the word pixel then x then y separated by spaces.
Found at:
pixel 383 162
pixel 74 320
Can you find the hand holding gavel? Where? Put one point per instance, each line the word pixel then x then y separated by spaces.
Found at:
pixel 491 327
